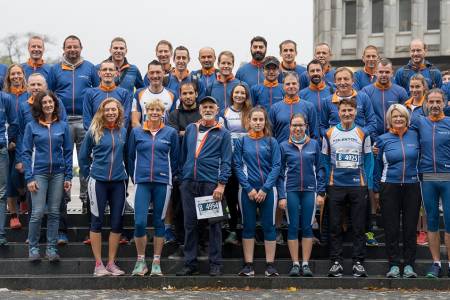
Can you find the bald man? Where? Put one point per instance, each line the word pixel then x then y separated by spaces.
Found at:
pixel 206 57
pixel 418 64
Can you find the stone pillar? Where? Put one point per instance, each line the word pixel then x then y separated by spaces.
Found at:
pixel 363 27
pixel 445 27
pixel 418 25
pixel 390 27
pixel 336 29
pixel 324 21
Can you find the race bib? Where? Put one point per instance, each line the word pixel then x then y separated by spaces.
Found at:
pixel 347 158
pixel 207 207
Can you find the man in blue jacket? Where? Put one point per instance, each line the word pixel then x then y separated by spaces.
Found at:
pixel 206 167
pixel 288 52
pixel 322 52
pixel 69 80
pixel 367 75
pixel 35 63
pixel 252 73
pixel 418 64
pixel 270 91
pixel 207 74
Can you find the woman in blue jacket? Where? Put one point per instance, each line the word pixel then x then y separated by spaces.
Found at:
pixel 153 161
pixel 47 158
pixel 397 183
pixel 102 161
pixel 256 161
pixel 300 178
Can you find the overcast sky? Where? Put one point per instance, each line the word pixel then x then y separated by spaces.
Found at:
pixel 223 25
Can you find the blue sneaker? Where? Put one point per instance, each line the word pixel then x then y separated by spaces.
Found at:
pixel 34 255
pixel 169 236
pixel 408 272
pixel 62 239
pixel 52 255
pixel 434 272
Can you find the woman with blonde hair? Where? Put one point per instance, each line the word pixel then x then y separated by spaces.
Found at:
pixel 398 186
pixel 102 162
pixel 153 162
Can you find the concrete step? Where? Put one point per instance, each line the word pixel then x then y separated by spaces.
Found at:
pixel 79 250
pixel 64 282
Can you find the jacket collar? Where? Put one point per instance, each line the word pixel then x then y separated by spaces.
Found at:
pixel 290 101
pixel 258 64
pixel 107 88
pixel 382 86
pixel 35 64
pixel 146 126
pixel 224 79
pixel 208 72
pixel 270 84
pixel 438 118
pixel 336 99
pixel 256 135
pixel 317 87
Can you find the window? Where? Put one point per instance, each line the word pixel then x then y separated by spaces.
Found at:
pixel 404 15
pixel 377 16
pixel 350 17
pixel 433 14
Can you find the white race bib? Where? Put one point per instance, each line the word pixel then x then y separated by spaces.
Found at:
pixel 347 158
pixel 207 207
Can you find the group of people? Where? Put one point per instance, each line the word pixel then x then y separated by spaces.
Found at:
pixel 275 141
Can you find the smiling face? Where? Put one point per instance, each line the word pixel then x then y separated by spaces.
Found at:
pixel 72 49
pixel 239 95
pixel 291 86
pixel 48 106
pixel 36 84
pixel 206 57
pixel 435 104
pixel 181 60
pixel 36 48
pixel 163 54
pixel 107 73
pixel 226 65
pixel 323 54
pixel 416 88
pixel 315 73
pixel 155 75
pixel 111 112
pixel 188 95
pixel 257 121
pixel 370 58
pixel 398 120
pixel 118 50
pixel 258 50
pixel 384 74
pixel 347 114
pixel 344 82
pixel 16 76
pixel 271 73
pixel 298 127
pixel 208 110
pixel 154 113
pixel 417 51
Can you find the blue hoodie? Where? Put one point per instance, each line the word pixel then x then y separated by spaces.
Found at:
pixel 382 98
pixel 300 168
pixel 316 94
pixel 211 162
pixel 280 118
pixel 267 94
pixel 363 79
pixel 221 90
pixel 129 76
pixel 95 96
pixel 434 144
pixel 3 70
pixel 153 158
pixel 7 115
pixel 328 78
pixel 431 73
pixel 104 160
pixel 207 77
pixel 397 158
pixel 30 68
pixel 25 116
pixel 365 116
pixel 257 163
pixel 70 83
pixel 283 71
pixel 47 149
pixel 251 73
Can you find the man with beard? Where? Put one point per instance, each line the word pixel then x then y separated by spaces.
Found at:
pixel 317 90
pixel 35 63
pixel 418 64
pixel 69 80
pixel 207 74
pixel 367 75
pixel 128 76
pixel 288 52
pixel 322 52
pixel 181 73
pixel 206 147
pixel 252 72
pixel 269 92
pixel 155 90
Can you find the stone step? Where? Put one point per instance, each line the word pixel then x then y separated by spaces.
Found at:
pixel 64 282
pixel 79 250
pixel 80 266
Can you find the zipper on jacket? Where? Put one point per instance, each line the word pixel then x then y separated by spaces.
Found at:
pixel 318 101
pixel 404 160
pixel 270 96
pixel 50 147
pixel 433 148
pixel 73 91
pixel 112 154
pixel 153 153
pixel 301 167
pixel 382 110
pixel 259 163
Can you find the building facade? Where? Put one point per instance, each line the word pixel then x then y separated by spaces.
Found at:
pixel 350 25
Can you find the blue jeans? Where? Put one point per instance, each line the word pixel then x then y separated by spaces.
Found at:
pixel 307 203
pixel 3 178
pixel 50 192
pixel 431 192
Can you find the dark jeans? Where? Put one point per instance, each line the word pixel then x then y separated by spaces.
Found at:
pixel 177 213
pixel 231 194
pixel 404 200
pixel 338 197
pixel 189 190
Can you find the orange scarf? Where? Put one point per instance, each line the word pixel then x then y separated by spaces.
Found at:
pixel 256 135
pixel 257 64
pixel 107 88
pixel 369 71
pixel 438 118
pixel 288 67
pixel 290 101
pixel 208 72
pixel 180 76
pixel 400 132
pixel 270 84
pixel 30 100
pixel 35 64
pixel 383 86
pixel 224 79
pixel 335 99
pixel 410 102
pixel 317 87
pixel 146 125
pixel 17 91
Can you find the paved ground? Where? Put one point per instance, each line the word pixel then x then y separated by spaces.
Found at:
pixel 225 294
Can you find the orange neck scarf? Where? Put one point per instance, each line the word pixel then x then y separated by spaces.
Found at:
pixel 438 118
pixel 289 100
pixel 256 135
pixel 270 84
pixel 208 72
pixel 35 64
pixel 317 87
pixel 400 132
pixel 106 88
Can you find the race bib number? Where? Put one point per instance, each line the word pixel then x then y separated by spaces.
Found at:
pixel 347 158
pixel 207 207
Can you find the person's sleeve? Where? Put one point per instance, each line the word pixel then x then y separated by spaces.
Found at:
pixel 85 154
pixel 62 111
pixel 131 154
pixel 304 80
pixel 370 119
pixel 313 124
pixel 324 122
pixel 138 83
pixel 253 93
pixel 281 186
pixel 379 167
pixel 238 165
pixel 225 163
pixel 201 90
pixel 368 162
pixel 20 134
pixel 87 110
pixel 11 116
pixel 68 154
pixel 51 81
pixel 174 153
pixel 27 153
pixel 146 80
pixel 128 98
pixel 320 171
pixel 239 74
pixel 403 96
pixel 272 177
pixel 94 77
pixel 438 82
pixel 398 77
pixel 357 82
pixel 325 159
pixel 173 120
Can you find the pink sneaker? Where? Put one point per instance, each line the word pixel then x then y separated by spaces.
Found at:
pixel 101 271
pixel 114 270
